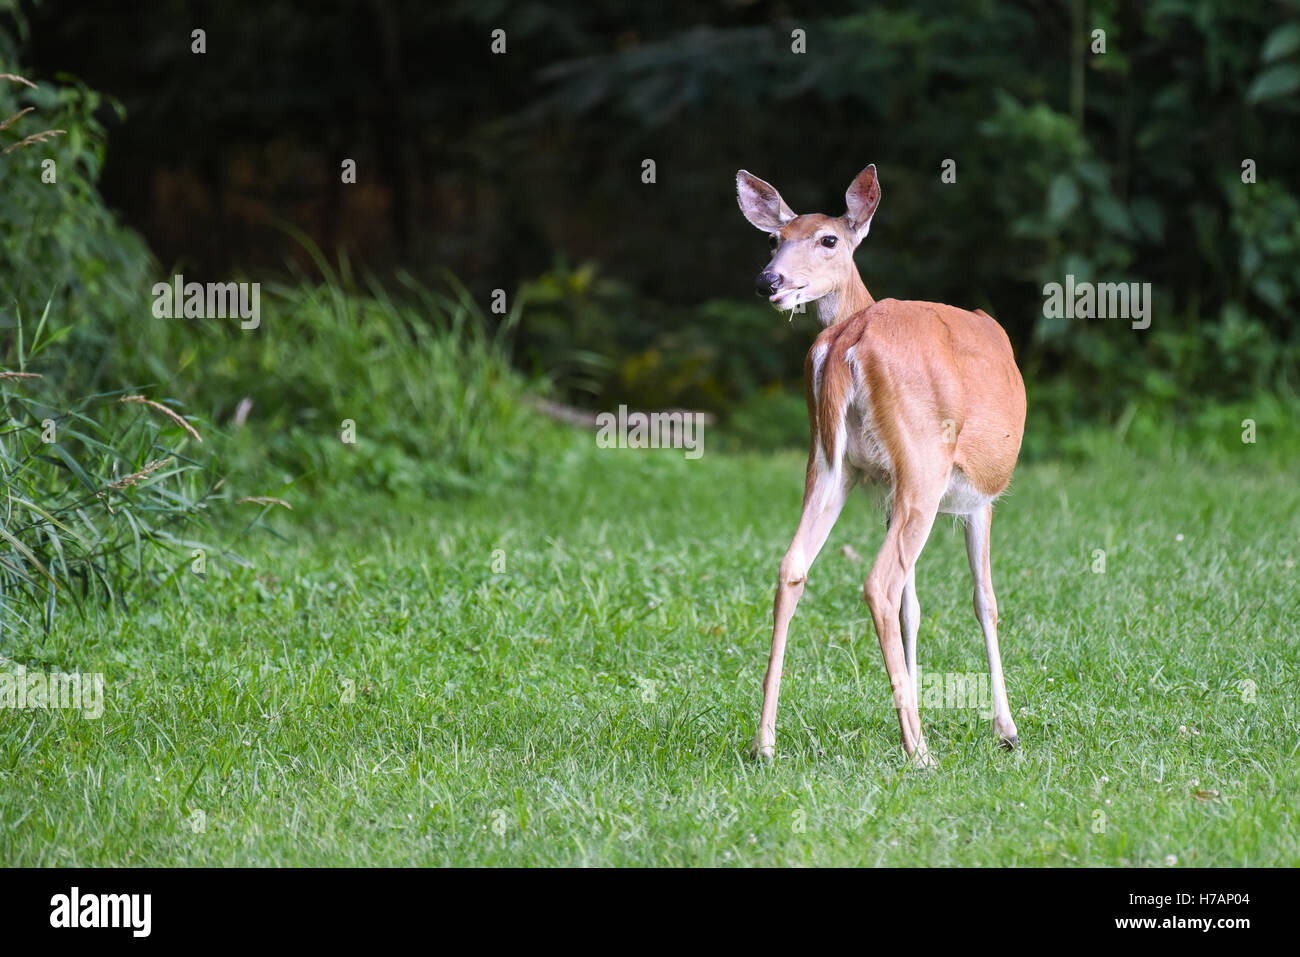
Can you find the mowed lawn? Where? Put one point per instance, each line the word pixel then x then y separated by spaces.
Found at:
pixel 569 674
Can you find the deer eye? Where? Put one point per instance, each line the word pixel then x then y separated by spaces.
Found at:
pixel 828 242
pixel 773 241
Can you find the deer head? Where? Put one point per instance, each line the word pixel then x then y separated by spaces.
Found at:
pixel 812 255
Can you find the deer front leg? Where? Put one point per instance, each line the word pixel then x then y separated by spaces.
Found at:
pixel 823 502
pixel 913 517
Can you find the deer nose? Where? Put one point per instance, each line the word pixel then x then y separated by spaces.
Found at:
pixel 767 283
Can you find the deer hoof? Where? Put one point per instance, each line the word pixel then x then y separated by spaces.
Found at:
pixel 923 759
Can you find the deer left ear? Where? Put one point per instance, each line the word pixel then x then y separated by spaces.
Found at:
pixel 863 197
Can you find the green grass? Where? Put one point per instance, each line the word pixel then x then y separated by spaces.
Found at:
pixel 500 715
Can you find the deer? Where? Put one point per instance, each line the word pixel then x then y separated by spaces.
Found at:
pixel 921 397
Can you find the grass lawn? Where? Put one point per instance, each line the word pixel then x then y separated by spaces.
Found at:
pixel 569 674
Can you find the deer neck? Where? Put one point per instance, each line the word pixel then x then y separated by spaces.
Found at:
pixel 842 303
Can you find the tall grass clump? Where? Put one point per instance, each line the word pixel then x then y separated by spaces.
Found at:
pixel 349 388
pixel 411 393
pixel 99 495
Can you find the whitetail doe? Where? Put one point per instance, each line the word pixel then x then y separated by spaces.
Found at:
pixel 922 396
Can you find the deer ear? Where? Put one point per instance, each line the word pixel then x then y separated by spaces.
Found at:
pixel 761 203
pixel 862 198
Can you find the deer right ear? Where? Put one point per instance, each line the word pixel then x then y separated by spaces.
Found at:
pixel 761 203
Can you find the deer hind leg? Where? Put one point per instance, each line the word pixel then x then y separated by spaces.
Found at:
pixel 909 619
pixel 978 526
pixel 914 510
pixel 823 501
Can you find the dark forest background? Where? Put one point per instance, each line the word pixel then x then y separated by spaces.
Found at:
pixel 522 171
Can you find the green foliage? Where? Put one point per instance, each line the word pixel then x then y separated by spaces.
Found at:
pixel 769 421
pixel 58 239
pixel 569 333
pixel 598 342
pixel 1267 219
pixel 1279 77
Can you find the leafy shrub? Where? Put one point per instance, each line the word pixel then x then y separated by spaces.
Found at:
pixel 769 421
pixel 599 344
pixel 58 242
